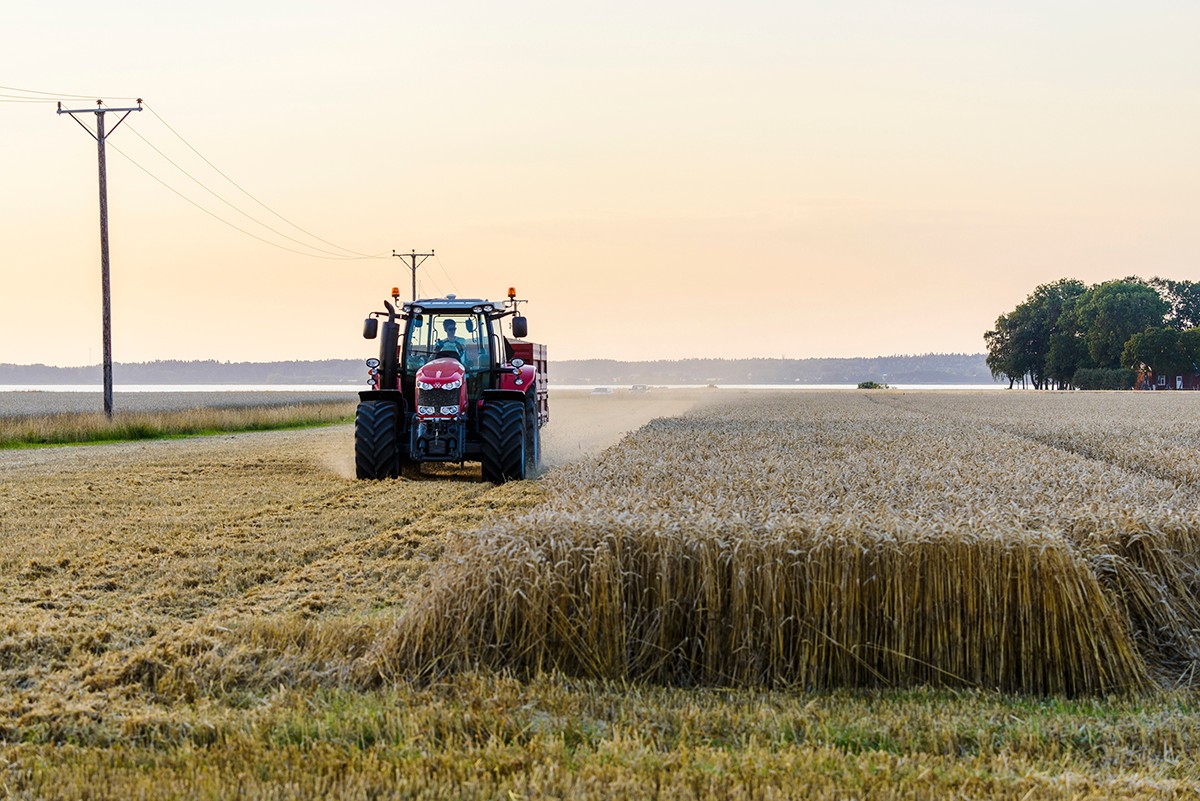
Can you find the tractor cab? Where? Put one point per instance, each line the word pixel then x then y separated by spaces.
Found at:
pixel 440 333
pixel 456 385
pixel 447 334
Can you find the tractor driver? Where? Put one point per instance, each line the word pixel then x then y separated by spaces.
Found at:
pixel 451 341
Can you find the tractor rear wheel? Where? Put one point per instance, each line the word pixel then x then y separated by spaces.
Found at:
pixel 377 440
pixel 502 429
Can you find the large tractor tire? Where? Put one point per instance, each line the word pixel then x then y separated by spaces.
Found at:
pixel 502 429
pixel 533 437
pixel 377 440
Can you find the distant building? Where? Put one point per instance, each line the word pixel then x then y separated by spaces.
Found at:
pixel 1145 381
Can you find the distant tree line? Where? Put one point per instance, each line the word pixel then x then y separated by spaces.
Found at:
pixel 1070 335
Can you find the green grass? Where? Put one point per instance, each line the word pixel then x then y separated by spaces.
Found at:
pixel 488 736
pixel 94 427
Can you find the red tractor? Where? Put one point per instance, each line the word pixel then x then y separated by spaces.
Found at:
pixel 451 387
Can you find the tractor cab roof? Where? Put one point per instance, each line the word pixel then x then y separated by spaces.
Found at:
pixel 452 303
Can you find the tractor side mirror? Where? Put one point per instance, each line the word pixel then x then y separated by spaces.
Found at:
pixel 470 326
pixel 520 327
pixel 370 328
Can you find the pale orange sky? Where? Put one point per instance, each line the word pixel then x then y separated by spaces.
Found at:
pixel 662 180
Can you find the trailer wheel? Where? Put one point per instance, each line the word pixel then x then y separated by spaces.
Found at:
pixel 502 429
pixel 533 437
pixel 376 440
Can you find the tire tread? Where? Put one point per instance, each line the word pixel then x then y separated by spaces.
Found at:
pixel 376 440
pixel 502 430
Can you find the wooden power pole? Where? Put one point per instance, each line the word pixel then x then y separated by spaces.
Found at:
pixel 106 306
pixel 413 265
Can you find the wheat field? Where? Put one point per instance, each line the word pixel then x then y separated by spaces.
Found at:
pixel 893 595
pixel 845 541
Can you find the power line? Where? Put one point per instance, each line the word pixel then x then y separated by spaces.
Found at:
pixel 62 95
pixel 330 255
pixel 436 288
pixel 453 285
pixel 228 203
pixel 247 193
pixel 221 219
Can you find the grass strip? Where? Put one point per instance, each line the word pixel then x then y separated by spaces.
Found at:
pixel 95 428
pixel 487 736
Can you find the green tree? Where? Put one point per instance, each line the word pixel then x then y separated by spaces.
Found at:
pixel 1163 351
pixel 1004 357
pixel 1184 297
pixel 1020 344
pixel 1112 312
pixel 1068 353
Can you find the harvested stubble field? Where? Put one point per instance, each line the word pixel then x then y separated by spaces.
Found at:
pixel 729 603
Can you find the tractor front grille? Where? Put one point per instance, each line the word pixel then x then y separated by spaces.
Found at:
pixel 440 400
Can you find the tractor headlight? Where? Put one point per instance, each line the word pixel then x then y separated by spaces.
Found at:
pixel 518 362
pixel 424 385
pixel 453 384
pixel 418 309
pixel 489 307
pixel 476 309
pixel 372 363
pixel 449 410
pixel 426 410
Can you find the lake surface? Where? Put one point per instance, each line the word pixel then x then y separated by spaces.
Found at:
pixel 37 400
pixel 353 388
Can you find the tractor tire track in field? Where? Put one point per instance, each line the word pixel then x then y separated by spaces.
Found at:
pixel 127 563
pixel 226 564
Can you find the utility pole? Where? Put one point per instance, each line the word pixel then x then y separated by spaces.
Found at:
pixel 106 307
pixel 413 265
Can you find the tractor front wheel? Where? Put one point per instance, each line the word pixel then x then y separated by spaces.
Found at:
pixel 377 440
pixel 502 429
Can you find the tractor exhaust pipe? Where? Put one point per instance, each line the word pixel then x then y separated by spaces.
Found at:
pixel 389 359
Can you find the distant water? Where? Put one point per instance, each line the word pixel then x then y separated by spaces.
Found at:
pixel 354 388
pixel 348 388
pixel 780 387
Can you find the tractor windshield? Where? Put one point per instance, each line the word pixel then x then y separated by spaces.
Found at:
pixel 462 335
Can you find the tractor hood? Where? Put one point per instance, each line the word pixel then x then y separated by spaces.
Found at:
pixel 440 372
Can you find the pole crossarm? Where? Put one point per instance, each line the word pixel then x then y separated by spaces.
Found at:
pixel 99 110
pixel 95 110
pixel 414 264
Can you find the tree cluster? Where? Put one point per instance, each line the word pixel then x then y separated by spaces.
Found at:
pixel 1067 334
